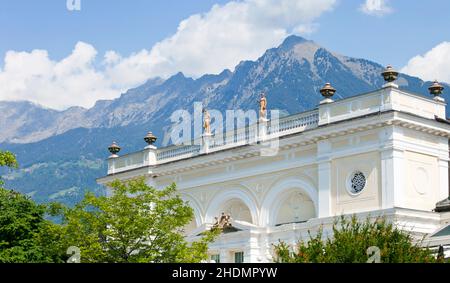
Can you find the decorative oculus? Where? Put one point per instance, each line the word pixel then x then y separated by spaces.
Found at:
pixel 357 182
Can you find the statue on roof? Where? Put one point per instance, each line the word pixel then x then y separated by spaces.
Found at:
pixel 263 107
pixel 206 122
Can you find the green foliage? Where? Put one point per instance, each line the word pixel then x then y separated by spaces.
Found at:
pixel 350 242
pixel 22 228
pixel 8 159
pixel 136 224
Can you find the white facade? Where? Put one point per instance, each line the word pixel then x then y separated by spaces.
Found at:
pixel 390 143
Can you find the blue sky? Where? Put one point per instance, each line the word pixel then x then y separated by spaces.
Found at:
pixel 125 26
pixel 109 46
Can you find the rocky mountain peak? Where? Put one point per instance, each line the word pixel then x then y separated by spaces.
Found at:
pixel 73 143
pixel 298 48
pixel 293 71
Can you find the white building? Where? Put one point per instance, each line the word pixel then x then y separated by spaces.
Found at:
pixel 379 153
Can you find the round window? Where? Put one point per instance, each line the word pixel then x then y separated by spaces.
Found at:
pixel 357 182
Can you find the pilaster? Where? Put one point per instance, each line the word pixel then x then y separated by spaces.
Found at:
pixel 324 168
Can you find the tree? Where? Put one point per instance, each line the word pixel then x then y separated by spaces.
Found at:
pixel 8 159
pixel 22 225
pixel 137 224
pixel 351 241
pixel 24 230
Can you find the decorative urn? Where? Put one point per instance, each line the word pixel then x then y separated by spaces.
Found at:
pixel 390 74
pixel 114 148
pixel 436 90
pixel 150 138
pixel 327 92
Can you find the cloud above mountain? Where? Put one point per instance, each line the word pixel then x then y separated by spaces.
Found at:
pixel 376 7
pixel 233 32
pixel 433 65
pixel 203 43
pixel 72 81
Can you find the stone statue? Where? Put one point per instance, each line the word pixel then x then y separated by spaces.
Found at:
pixel 263 107
pixel 223 222
pixel 206 122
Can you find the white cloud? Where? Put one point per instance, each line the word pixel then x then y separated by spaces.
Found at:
pixel 72 81
pixel 233 32
pixel 376 7
pixel 433 65
pixel 203 43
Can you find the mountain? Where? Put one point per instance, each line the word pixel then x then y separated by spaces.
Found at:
pixel 62 152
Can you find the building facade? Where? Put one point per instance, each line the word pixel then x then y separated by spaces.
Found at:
pixel 381 153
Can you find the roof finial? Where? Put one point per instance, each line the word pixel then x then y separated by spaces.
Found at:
pixel 327 92
pixel 114 148
pixel 436 90
pixel 150 139
pixel 390 75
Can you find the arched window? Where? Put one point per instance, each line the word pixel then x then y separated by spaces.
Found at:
pixel 295 208
pixel 238 210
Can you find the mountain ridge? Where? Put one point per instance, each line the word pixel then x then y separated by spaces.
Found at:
pixel 109 113
pixel 69 147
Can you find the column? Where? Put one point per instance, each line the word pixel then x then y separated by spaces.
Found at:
pixel 111 165
pixel 324 205
pixel 206 141
pixel 392 178
pixel 443 179
pixel 150 157
pixel 265 248
pixel 262 129
pixel 324 114
pixel 252 254
pixel 443 161
pixel 225 256
pixel 392 169
pixel 324 170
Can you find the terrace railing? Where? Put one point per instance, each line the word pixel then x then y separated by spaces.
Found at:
pixel 219 142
